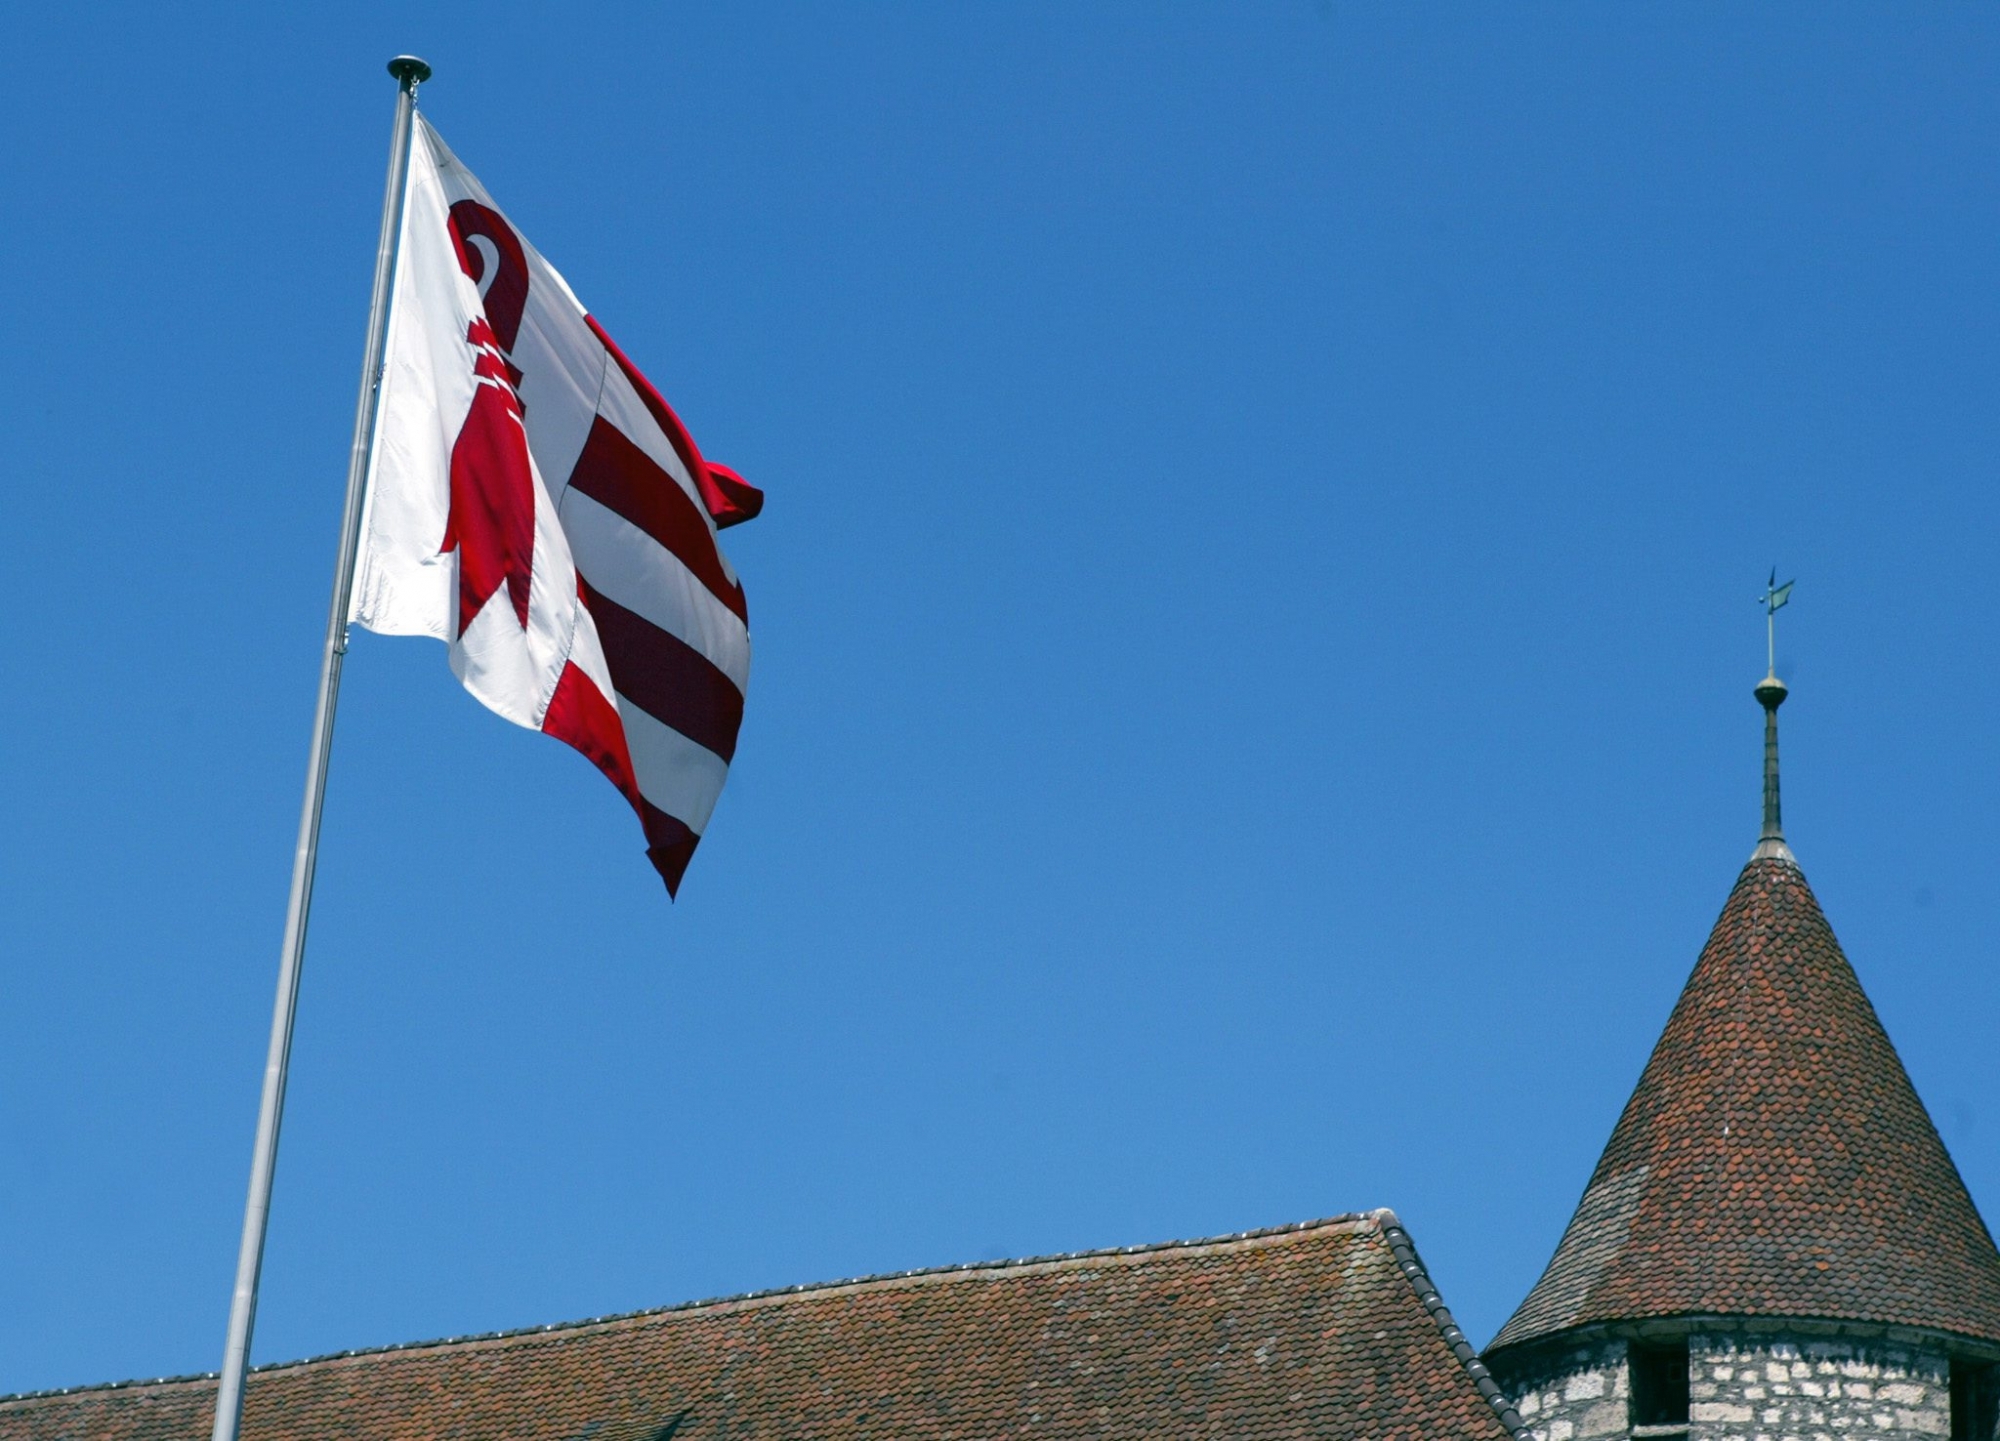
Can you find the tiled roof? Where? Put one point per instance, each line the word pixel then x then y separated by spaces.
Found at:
pixel 1775 1160
pixel 1329 1329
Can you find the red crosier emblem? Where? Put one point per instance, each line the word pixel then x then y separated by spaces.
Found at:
pixel 490 252
pixel 491 523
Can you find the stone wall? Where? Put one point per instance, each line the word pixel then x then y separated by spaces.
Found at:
pixel 1580 1396
pixel 1749 1388
pixel 1746 1386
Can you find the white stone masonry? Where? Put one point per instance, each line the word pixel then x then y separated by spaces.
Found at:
pixel 1755 1388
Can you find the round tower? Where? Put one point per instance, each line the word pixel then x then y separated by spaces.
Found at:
pixel 1775 1245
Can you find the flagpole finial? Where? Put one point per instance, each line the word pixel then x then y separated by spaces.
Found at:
pixel 409 71
pixel 1771 693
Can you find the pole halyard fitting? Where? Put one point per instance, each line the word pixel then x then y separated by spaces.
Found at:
pixel 409 71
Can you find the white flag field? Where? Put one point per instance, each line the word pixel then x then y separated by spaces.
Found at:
pixel 535 504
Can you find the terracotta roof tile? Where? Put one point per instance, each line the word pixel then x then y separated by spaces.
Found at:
pixel 1775 1159
pixel 1330 1329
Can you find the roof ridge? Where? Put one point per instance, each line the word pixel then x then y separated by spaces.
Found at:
pixel 1351 1219
pixel 1404 1251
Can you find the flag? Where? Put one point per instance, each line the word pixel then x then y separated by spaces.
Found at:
pixel 535 504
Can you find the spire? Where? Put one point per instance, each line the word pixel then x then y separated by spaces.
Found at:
pixel 1771 693
pixel 1774 1159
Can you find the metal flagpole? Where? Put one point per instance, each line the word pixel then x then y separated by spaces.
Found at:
pixel 410 72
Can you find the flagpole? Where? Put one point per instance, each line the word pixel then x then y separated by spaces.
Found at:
pixel 410 72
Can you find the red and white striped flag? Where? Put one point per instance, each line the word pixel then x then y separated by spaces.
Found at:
pixel 534 503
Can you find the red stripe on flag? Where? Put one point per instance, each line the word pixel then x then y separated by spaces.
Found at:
pixel 729 497
pixel 666 677
pixel 624 479
pixel 581 715
pixel 669 845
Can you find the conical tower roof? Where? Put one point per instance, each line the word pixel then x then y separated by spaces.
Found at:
pixel 1775 1160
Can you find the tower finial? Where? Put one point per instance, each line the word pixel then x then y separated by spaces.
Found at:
pixel 1771 693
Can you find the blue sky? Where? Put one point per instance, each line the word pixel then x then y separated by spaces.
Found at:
pixel 1254 628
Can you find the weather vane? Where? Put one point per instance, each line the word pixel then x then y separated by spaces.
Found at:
pixel 1774 596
